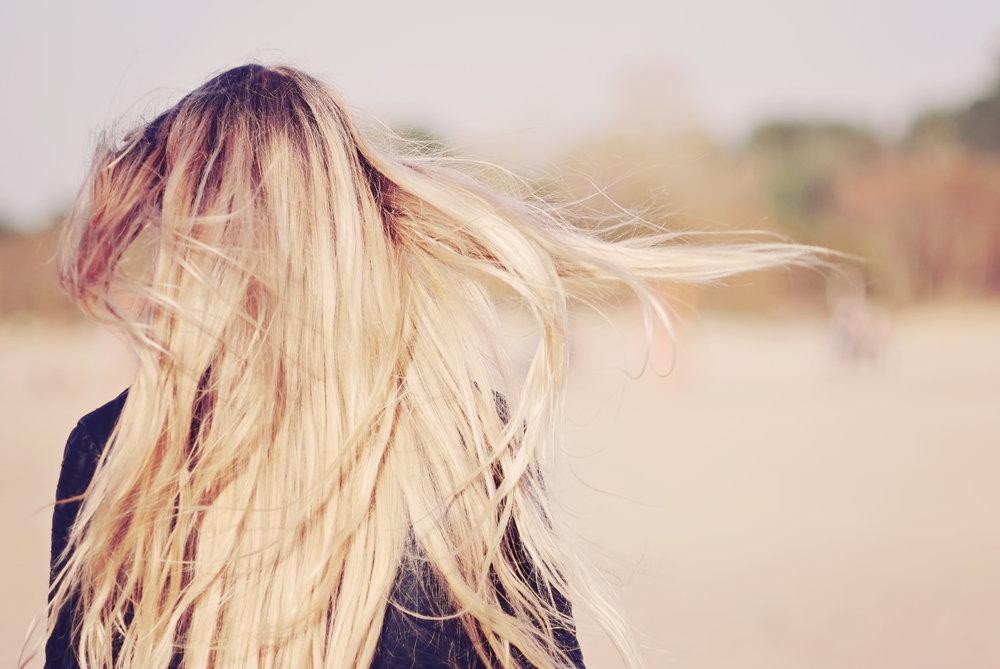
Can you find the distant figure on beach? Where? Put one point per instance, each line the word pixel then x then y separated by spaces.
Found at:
pixel 324 459
pixel 857 329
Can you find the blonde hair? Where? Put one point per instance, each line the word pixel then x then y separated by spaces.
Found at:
pixel 315 401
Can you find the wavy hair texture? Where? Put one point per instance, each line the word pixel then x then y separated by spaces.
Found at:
pixel 314 405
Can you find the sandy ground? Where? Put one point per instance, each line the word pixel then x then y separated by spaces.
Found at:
pixel 765 505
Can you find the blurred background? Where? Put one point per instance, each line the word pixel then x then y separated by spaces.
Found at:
pixel 814 483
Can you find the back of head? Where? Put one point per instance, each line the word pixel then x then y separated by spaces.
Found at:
pixel 316 397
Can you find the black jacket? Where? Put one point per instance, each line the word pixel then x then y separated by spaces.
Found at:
pixel 406 641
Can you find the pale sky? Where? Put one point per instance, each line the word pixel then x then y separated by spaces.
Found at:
pixel 518 72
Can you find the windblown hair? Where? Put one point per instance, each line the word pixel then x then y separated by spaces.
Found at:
pixel 316 400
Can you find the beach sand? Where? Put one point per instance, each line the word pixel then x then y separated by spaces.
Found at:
pixel 767 504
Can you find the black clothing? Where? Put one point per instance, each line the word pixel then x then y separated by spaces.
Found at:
pixel 405 642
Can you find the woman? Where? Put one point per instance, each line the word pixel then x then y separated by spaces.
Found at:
pixel 315 464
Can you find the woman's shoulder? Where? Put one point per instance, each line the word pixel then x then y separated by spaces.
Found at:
pixel 80 458
pixel 100 422
pixel 85 445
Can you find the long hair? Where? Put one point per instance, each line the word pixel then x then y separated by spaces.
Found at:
pixel 317 396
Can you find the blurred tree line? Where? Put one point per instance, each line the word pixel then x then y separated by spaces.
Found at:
pixel 921 211
pixel 924 210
